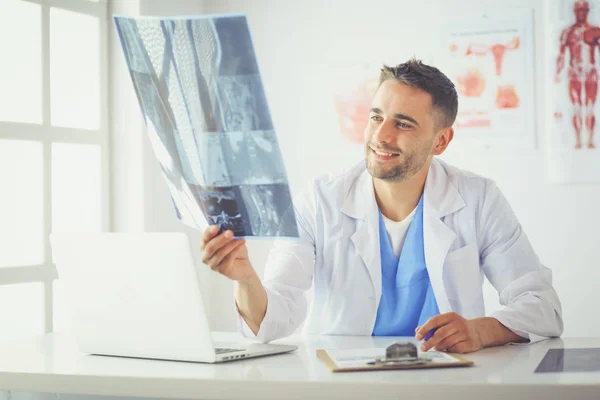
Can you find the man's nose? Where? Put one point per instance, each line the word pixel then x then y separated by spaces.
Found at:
pixel 384 132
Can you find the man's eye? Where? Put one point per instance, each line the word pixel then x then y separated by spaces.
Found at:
pixel 375 117
pixel 403 125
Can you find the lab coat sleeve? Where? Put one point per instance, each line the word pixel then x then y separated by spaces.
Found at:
pixel 288 275
pixel 532 308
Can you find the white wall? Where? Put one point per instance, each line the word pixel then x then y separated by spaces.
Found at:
pixel 297 43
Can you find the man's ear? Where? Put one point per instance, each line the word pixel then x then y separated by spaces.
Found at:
pixel 445 136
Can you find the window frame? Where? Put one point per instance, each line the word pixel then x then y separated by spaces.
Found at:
pixel 46 134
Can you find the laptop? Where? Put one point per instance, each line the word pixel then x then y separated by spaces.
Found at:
pixel 138 295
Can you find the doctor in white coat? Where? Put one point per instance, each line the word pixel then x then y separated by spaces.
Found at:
pixel 399 243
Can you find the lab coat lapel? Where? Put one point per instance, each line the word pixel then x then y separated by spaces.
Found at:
pixel 441 199
pixel 360 204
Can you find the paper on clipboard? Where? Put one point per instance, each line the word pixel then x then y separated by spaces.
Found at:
pixel 341 360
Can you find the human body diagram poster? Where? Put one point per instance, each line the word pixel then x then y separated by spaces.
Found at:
pixel 573 37
pixel 200 91
pixel 489 57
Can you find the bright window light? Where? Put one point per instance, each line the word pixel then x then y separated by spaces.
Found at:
pixel 76 188
pixel 74 69
pixel 21 203
pixel 21 65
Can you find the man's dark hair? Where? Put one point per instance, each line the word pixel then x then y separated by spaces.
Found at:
pixel 431 80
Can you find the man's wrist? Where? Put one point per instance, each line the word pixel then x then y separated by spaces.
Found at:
pixel 484 328
pixel 250 281
pixel 492 332
pixel 251 301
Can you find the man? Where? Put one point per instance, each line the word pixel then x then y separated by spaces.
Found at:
pixel 399 244
pixel 582 70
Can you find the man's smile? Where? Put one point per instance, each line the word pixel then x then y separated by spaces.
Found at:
pixel 383 155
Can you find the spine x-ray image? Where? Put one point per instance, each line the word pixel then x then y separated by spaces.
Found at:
pixel 201 94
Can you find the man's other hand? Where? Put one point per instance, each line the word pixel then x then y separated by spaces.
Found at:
pixel 454 334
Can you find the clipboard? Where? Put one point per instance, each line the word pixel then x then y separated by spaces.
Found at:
pixel 329 361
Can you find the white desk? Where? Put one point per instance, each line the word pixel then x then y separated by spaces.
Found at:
pixel 51 364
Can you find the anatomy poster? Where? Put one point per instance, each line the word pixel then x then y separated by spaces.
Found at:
pixel 489 57
pixel 573 37
pixel 352 88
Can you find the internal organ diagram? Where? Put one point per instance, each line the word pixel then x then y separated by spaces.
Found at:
pixel 506 94
pixel 471 83
pixel 506 97
pixel 498 51
pixel 353 107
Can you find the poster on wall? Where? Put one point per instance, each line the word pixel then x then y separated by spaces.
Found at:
pixel 489 57
pixel 573 49
pixel 352 88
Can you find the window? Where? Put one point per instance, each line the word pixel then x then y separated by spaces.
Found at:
pixel 53 148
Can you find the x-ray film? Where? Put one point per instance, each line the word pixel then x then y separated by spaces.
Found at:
pixel 202 97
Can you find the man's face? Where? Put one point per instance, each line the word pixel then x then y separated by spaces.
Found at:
pixel 400 134
pixel 581 10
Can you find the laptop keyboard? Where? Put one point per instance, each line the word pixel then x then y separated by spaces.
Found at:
pixel 221 350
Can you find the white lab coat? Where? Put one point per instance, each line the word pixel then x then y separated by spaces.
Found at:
pixel 469 230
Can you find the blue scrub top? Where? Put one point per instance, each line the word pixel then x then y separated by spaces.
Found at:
pixel 407 298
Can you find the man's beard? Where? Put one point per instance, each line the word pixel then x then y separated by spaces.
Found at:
pixel 407 167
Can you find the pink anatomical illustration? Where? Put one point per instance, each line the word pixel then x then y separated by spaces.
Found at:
pixel 352 106
pixel 471 83
pixel 506 94
pixel 507 97
pixel 490 61
pixel 581 40
pixel 498 50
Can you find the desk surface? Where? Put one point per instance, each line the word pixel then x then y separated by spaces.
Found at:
pixel 52 364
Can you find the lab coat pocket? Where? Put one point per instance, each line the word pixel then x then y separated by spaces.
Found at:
pixel 461 275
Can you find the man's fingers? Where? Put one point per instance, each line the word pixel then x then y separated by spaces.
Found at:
pixel 435 322
pixel 461 347
pixel 228 260
pixel 215 244
pixel 215 261
pixel 440 335
pixel 450 341
pixel 208 234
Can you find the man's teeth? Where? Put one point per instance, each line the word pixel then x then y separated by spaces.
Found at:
pixel 384 154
